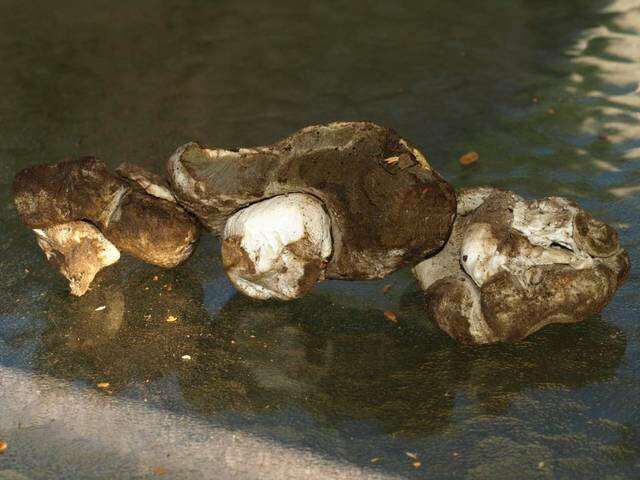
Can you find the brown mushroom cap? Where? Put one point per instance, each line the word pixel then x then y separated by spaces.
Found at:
pixel 388 207
pixel 81 189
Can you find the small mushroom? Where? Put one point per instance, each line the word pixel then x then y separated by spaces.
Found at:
pixel 277 248
pixel 387 207
pixel 79 251
pixel 56 199
pixel 513 266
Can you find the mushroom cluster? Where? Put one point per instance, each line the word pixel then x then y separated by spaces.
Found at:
pixel 84 216
pixel 349 200
pixel 346 200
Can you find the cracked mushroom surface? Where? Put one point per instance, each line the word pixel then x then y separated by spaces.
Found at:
pixel 512 266
pixel 387 206
pixel 75 205
pixel 79 251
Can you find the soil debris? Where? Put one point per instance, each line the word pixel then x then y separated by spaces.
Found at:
pixel 469 158
pixel 391 316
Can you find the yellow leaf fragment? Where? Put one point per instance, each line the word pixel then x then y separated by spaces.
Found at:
pixel 158 470
pixel 391 316
pixel 469 158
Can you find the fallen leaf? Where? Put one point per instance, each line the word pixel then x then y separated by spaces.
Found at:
pixel 417 464
pixel 3 446
pixel 469 158
pixel 155 278
pixel 386 288
pixel 100 308
pixel 604 137
pixel 171 319
pixel 535 99
pixel 391 316
pixel 541 465
pixel 102 385
pixel 375 459
pixel 186 358
pixel 551 111
pixel 158 470
pixel 413 456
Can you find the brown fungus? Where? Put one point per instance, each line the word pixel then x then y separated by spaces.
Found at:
pixel 387 207
pixel 513 266
pixel 72 204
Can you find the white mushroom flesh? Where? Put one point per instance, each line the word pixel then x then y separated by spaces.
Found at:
pixel 277 248
pixel 79 250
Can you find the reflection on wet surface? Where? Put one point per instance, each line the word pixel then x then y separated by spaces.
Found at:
pixel 546 93
pixel 336 362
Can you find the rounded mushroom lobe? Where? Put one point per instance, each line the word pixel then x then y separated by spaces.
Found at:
pixel 154 230
pixel 79 251
pixel 82 189
pixel 387 205
pixel 277 248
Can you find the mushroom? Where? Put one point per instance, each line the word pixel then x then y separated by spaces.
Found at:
pixel 61 201
pixel 513 266
pixel 79 250
pixel 385 204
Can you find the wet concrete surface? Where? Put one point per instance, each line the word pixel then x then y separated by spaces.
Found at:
pixel 327 386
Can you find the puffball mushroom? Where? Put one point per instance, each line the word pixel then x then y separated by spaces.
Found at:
pixel 277 248
pixel 387 206
pixel 66 196
pixel 513 266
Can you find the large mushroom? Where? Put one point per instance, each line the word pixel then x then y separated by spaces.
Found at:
pixel 84 216
pixel 349 200
pixel 513 266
